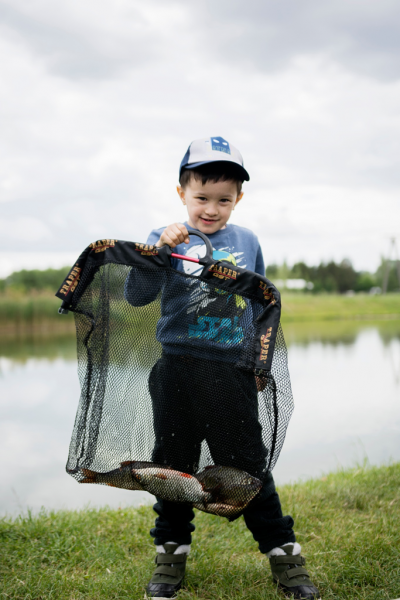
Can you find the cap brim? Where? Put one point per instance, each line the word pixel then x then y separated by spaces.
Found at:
pixel 241 170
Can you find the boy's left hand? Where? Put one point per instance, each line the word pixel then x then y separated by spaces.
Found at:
pixel 174 234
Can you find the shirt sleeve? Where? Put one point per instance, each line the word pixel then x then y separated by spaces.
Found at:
pixel 260 266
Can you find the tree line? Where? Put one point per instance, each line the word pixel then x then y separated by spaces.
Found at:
pixel 48 280
pixel 338 278
pixel 328 277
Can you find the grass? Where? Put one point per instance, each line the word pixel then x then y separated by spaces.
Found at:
pixel 37 313
pixel 347 522
pixel 334 307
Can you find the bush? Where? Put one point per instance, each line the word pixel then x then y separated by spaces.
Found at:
pixel 25 281
pixel 365 281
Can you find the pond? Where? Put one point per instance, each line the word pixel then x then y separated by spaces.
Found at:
pixel 346 386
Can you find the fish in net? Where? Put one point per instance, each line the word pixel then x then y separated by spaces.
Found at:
pixel 185 389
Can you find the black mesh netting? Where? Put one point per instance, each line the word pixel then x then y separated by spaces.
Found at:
pixel 185 390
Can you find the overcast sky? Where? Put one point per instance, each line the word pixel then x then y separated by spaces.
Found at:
pixel 99 100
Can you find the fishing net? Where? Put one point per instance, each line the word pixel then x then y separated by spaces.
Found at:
pixel 185 390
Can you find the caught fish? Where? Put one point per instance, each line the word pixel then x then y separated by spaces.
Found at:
pixel 142 464
pixel 222 510
pixel 229 486
pixel 120 478
pixel 223 491
pixel 175 486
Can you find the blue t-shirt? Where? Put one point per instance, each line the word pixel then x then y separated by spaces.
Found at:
pixel 181 328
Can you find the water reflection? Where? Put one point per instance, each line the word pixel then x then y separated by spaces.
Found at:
pixel 37 412
pixel 346 384
pixel 346 387
pixel 339 332
pixel 21 349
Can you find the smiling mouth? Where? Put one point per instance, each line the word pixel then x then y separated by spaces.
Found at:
pixel 208 220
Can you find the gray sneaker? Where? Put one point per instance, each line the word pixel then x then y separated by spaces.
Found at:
pixel 293 579
pixel 168 575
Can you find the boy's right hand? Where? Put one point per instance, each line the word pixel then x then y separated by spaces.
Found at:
pixel 173 235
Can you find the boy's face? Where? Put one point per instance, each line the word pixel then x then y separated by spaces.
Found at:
pixel 209 206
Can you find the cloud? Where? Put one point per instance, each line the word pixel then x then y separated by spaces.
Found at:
pixel 91 40
pixel 23 229
pixel 95 153
pixel 99 39
pixel 291 222
pixel 363 36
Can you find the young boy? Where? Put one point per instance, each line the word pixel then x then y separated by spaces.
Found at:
pixel 211 176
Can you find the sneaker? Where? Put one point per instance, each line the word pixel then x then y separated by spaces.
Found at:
pixel 288 571
pixel 168 575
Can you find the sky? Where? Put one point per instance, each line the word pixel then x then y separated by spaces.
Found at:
pixel 100 99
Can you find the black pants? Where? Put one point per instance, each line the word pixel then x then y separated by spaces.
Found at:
pixel 186 413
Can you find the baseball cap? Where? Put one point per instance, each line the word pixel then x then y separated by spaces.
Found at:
pixel 213 149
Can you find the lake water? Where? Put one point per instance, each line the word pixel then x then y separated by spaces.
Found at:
pixel 346 386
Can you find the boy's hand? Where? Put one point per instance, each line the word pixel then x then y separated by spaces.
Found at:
pixel 173 235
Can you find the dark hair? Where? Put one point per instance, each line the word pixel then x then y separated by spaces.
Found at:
pixel 213 172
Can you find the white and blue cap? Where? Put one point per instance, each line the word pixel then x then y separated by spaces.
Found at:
pixel 213 149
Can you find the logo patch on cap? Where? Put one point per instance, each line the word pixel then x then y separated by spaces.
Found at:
pixel 221 145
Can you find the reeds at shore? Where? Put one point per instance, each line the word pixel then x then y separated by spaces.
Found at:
pixel 38 312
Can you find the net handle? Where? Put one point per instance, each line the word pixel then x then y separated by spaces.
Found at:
pixel 208 258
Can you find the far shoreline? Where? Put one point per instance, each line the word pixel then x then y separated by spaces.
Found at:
pixel 37 314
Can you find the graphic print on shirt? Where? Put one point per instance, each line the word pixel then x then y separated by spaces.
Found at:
pixel 199 251
pixel 210 305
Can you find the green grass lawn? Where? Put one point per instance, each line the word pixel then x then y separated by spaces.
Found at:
pixel 333 307
pixel 348 524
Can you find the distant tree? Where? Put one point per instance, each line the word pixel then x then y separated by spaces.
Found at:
pixel 346 276
pixel 330 277
pixel 327 277
pixel 271 271
pixel 283 271
pixel 365 281
pixel 25 281
pixel 301 271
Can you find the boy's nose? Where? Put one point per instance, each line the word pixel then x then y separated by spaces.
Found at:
pixel 211 211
